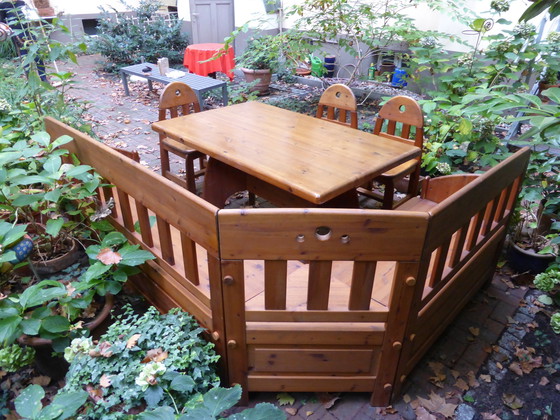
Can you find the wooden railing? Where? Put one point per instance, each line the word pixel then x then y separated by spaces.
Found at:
pixel 312 299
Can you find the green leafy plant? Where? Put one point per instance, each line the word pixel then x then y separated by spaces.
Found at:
pixel 210 405
pixel 261 53
pixel 148 360
pixel 549 282
pixel 29 406
pixel 125 38
pixel 14 357
pixel 555 322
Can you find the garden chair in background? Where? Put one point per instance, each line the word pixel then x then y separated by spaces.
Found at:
pixel 339 103
pixel 400 119
pixel 178 96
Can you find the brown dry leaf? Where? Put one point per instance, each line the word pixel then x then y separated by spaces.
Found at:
pixel 291 411
pixel 471 380
pixel 544 381
pixel 423 414
pixel 512 401
pixel 105 381
pixel 526 359
pixel 437 404
pixel 474 331
pixel 406 398
pixel 108 257
pixel 12 415
pixel 489 416
pixel 486 378
pixel 326 399
pixel 516 368
pixel 41 380
pixel 510 320
pixel 462 385
pixel 308 413
pixel 102 351
pixel 70 289
pixel 455 373
pixel 95 394
pixel 438 380
pixel 437 367
pixel 131 342
pixel 499 365
pixel 155 355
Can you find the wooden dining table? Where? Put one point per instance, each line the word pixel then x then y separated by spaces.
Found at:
pixel 288 158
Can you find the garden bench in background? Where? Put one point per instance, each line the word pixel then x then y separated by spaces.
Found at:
pixel 199 84
pixel 326 300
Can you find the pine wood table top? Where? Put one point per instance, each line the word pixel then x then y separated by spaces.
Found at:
pixel 311 158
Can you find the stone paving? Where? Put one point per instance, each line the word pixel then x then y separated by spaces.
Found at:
pixel 449 369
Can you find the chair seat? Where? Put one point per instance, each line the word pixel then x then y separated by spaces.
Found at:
pixel 401 170
pixel 178 148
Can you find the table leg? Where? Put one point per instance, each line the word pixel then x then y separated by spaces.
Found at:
pixel 125 83
pixel 150 87
pixel 224 95
pixel 200 99
pixel 221 181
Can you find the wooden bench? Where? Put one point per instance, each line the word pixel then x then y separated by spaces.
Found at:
pixel 312 299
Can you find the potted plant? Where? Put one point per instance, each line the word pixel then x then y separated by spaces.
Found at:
pixel 48 314
pixel 259 60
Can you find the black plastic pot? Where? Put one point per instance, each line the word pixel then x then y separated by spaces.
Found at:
pixel 527 260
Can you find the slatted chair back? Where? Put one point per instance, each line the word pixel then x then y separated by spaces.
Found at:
pixel 339 103
pixel 397 118
pixel 179 99
pixel 177 96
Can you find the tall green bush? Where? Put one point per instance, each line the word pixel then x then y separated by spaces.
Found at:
pixel 124 38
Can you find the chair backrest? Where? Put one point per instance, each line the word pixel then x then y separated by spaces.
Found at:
pixel 340 104
pixel 407 113
pixel 177 96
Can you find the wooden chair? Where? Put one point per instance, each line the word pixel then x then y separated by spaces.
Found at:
pixel 395 120
pixel 339 103
pixel 178 96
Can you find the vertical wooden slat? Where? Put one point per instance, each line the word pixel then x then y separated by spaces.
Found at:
pixel 391 126
pixel 363 275
pixel 126 211
pixel 233 286
pixel 330 113
pixel 439 263
pixel 218 333
pixel 164 233
pixel 405 133
pixel 342 115
pixel 504 200
pixel 318 289
pixel 190 261
pixel 489 217
pixel 458 244
pixel 144 222
pixel 275 281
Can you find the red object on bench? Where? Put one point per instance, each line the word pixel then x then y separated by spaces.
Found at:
pixel 196 54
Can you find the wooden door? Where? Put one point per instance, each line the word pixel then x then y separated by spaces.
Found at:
pixel 212 20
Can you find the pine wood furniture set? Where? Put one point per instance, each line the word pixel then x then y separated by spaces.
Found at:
pixel 310 299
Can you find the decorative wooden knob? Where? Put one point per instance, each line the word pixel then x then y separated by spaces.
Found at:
pixel 387 387
pixel 215 336
pixel 403 378
pixel 397 345
pixel 410 281
pixel 412 337
pixel 232 344
pixel 228 280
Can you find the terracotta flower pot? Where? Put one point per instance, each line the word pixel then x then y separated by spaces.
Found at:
pixel 50 266
pixel 263 76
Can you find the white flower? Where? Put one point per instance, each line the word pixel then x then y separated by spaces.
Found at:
pixel 443 168
pixel 77 346
pixel 5 106
pixel 148 375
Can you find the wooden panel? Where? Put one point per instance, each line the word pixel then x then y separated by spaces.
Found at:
pixel 126 212
pixel 315 333
pixel 190 213
pixel 311 360
pixel 144 223
pixel 188 246
pixel 310 383
pixel 292 234
pixel 166 247
pixel 362 285
pixel 317 316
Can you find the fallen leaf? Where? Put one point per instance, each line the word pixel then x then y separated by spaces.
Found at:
pixel 326 399
pixel 388 410
pixel 544 381
pixel 108 257
pixel 406 398
pixel 462 385
pixel 291 411
pixel 516 368
pixel 486 378
pixel 474 331
pixel 512 401
pixel 423 414
pixel 285 399
pixel 131 342
pixel 95 394
pixel 41 380
pixel 155 355
pixel 489 416
pixel 104 350
pixel 455 373
pixel 557 387
pixel 105 381
pixel 471 380
pixel 437 404
pixel 308 413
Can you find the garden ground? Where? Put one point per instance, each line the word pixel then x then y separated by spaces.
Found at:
pixel 498 360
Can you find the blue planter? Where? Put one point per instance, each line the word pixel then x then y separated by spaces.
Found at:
pixel 399 78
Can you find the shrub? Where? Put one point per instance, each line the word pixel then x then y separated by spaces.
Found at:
pixel 555 322
pixel 125 38
pixel 149 360
pixel 14 357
